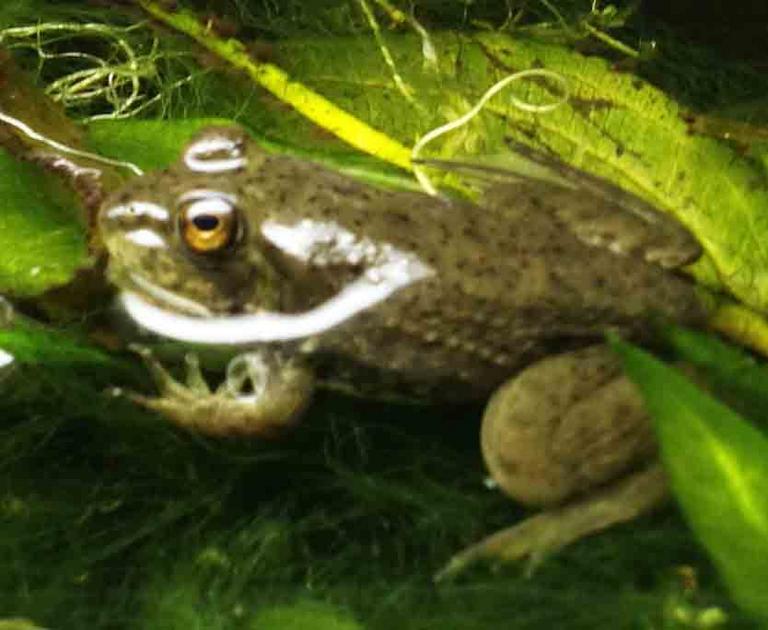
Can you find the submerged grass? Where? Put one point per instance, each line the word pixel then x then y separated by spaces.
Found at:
pixel 113 520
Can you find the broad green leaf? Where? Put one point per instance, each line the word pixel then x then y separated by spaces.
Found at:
pixel 735 375
pixel 150 144
pixel 42 242
pixel 18 624
pixel 614 124
pixel 718 467
pixel 153 144
pixel 625 129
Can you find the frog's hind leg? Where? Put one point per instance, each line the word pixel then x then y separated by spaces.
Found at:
pixel 569 434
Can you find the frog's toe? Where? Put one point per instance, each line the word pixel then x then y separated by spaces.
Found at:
pixel 164 380
pixel 543 534
pixel 195 379
pixel 174 398
pixel 531 540
pixel 247 376
pixel 161 404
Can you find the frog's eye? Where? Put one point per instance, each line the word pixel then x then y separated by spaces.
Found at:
pixel 208 225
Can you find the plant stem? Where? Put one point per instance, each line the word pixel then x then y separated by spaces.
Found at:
pixel 275 80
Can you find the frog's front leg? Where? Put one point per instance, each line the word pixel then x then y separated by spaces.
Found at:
pixel 260 396
pixel 570 434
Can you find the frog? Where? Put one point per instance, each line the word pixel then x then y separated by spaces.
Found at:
pixel 316 279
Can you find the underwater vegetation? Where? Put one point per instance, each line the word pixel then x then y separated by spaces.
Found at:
pixel 113 518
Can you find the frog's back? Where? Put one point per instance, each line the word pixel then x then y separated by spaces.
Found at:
pixel 510 282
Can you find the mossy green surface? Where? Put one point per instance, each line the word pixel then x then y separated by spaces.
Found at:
pixel 112 519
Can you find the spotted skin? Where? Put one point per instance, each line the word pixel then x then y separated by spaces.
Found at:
pixel 478 293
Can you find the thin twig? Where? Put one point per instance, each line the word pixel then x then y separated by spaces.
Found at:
pixel 117 79
pixel 428 50
pixel 373 23
pixel 63 148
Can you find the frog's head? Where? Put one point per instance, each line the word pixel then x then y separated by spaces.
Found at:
pixel 179 237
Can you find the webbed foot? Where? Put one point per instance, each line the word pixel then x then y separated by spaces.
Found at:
pixel 261 395
pixel 537 537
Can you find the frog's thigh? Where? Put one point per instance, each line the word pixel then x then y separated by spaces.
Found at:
pixel 565 425
pixel 569 433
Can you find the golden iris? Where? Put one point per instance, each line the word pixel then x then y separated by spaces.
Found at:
pixel 208 225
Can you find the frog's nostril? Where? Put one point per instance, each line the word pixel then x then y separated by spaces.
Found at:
pixel 135 210
pixel 134 223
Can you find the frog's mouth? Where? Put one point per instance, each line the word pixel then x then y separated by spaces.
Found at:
pixel 166 298
pixel 368 290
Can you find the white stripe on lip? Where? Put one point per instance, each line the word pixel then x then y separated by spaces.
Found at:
pixel 372 287
pixel 165 296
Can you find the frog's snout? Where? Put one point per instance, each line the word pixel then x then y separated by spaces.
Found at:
pixel 143 224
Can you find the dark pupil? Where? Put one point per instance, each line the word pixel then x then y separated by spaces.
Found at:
pixel 206 222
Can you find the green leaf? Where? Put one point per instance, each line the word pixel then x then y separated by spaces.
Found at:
pixel 614 124
pixel 18 624
pixel 33 344
pixel 622 128
pixel 42 242
pixel 736 375
pixel 718 467
pixel 154 144
pixel 150 144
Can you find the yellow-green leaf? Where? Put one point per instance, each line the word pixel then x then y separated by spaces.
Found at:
pixel 718 467
pixel 150 144
pixel 154 144
pixel 734 374
pixel 614 124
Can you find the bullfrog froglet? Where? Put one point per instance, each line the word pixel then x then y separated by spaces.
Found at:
pixel 326 280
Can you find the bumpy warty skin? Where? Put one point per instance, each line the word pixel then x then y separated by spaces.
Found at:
pixel 496 285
